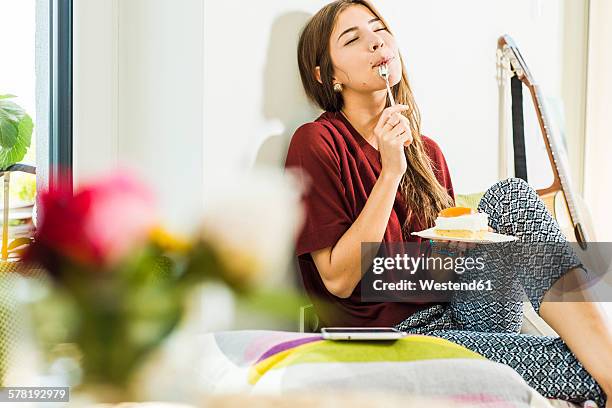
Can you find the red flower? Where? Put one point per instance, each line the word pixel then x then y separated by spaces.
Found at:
pixel 98 226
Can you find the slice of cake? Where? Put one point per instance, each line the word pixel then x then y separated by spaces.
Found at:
pixel 461 222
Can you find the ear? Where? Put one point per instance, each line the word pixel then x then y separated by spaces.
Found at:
pixel 318 74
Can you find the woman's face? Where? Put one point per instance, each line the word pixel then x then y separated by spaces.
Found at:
pixel 358 44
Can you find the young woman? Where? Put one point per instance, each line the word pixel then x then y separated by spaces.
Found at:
pixel 375 178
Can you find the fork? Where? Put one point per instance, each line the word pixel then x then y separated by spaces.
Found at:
pixel 383 71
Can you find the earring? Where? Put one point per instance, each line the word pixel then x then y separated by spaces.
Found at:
pixel 338 88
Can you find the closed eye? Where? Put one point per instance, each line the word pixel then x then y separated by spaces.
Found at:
pixel 356 38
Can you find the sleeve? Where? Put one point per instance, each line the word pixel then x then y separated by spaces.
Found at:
pixel 440 166
pixel 314 155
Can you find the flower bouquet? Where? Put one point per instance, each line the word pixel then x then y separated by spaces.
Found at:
pixel 120 281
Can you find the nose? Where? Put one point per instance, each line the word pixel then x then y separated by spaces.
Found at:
pixel 376 42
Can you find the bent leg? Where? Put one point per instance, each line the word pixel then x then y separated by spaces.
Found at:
pixel 542 254
pixel 530 266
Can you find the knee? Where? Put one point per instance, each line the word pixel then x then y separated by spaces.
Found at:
pixel 513 184
pixel 511 187
pixel 503 192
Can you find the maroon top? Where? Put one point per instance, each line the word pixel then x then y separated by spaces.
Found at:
pixel 341 168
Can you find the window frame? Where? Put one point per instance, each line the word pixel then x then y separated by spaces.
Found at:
pixel 60 94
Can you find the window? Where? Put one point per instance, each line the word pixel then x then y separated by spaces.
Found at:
pixel 37 68
pixel 18 77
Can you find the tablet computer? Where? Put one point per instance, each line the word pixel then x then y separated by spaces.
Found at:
pixel 362 333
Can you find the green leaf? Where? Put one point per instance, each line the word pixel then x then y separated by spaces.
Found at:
pixel 7 96
pixel 14 154
pixel 13 111
pixel 15 132
pixel 8 131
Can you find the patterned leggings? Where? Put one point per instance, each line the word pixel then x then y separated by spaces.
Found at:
pixel 492 328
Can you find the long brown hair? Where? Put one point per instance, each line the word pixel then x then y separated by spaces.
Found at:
pixel 424 195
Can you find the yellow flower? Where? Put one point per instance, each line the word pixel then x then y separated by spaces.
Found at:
pixel 251 220
pixel 168 241
pixel 240 267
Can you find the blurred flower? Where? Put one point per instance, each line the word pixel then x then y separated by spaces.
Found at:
pixel 251 221
pixel 97 226
pixel 122 315
pixel 168 241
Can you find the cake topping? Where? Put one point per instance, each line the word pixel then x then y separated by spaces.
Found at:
pixel 455 212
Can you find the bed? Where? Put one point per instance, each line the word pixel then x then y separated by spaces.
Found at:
pixel 281 363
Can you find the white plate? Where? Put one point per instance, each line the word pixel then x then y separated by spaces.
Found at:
pixel 490 237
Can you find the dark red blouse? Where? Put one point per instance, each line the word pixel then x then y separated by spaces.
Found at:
pixel 340 169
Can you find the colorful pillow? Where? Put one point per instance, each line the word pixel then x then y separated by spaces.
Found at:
pixel 468 200
pixel 316 350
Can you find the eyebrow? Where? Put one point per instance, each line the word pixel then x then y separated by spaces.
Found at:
pixel 348 30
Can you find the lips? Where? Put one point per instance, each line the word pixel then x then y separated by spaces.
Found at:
pixel 384 60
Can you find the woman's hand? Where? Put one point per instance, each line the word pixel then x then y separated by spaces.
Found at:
pixel 456 247
pixel 393 133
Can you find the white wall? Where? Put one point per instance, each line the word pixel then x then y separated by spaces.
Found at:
pixel 160 124
pixel 253 99
pixel 138 96
pixel 598 169
pixel 95 87
pixel 187 90
pixel 449 48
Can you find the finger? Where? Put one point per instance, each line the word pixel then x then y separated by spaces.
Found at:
pixel 396 108
pixel 397 131
pixel 396 116
pixel 384 125
pixel 405 135
pixel 385 134
pixel 394 119
pixel 391 110
pixel 404 139
pixel 408 139
pixel 440 243
pixel 405 120
pixel 387 114
pixel 391 122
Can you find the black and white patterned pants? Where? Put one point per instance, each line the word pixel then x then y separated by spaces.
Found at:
pixel 492 328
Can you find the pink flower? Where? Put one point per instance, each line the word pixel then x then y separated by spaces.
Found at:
pixel 99 225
